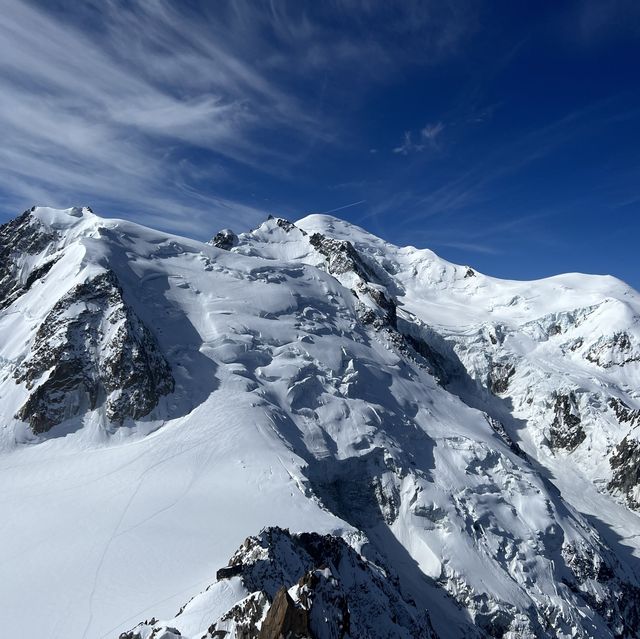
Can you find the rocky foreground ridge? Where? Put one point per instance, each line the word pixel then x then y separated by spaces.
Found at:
pixel 301 586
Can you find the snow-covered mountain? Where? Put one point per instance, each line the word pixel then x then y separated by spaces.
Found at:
pixel 407 447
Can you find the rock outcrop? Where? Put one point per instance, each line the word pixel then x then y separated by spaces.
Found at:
pixel 305 586
pixel 566 430
pixel 92 349
pixel 225 239
pixel 625 466
pixel 618 349
pixel 21 238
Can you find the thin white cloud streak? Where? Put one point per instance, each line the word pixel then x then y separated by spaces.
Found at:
pixel 78 122
pixel 407 145
pixel 106 100
pixel 460 199
pixel 471 187
pixel 593 21
pixel 468 246
pixel 428 136
pixel 345 206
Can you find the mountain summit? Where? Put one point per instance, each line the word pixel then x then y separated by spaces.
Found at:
pixel 407 447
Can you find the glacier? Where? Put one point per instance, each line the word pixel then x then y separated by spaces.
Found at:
pixel 463 449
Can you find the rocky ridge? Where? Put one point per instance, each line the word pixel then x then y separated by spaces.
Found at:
pixel 300 586
pixel 21 240
pixel 91 348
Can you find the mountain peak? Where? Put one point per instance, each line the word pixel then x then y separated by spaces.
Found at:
pixel 463 446
pixel 61 218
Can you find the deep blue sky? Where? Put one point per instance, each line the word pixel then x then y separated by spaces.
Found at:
pixel 504 135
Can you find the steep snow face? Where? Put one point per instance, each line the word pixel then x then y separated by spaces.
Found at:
pixel 314 377
pixel 557 359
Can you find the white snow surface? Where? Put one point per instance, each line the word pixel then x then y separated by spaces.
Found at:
pixel 280 391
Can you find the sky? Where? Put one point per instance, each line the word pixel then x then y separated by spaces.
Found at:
pixel 503 135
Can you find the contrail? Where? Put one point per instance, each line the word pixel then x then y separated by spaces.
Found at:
pixel 346 206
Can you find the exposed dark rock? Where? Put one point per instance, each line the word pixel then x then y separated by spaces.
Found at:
pixel 566 430
pixel 287 225
pixel 246 616
pixel 327 604
pixel 368 317
pixel 576 344
pixel 387 316
pixel 584 563
pixel 438 364
pixel 386 304
pixel 161 632
pixel 554 329
pixel 624 413
pixel 21 236
pixel 341 256
pixel 229 571
pixel 616 350
pixel 225 239
pixel 330 588
pixel 625 463
pixel 93 349
pixel 38 273
pixel 595 580
pixel 500 430
pixel 388 499
pixel 497 334
pixel 308 585
pixel 469 273
pixel 500 374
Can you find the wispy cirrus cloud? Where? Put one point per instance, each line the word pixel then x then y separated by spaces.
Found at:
pixel 431 132
pixel 80 121
pixel 472 187
pixel 124 103
pixel 472 247
pixel 595 21
pixel 464 210
pixel 427 137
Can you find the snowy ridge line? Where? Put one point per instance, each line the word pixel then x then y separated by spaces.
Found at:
pixel 465 447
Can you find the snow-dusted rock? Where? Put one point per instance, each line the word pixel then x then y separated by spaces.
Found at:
pixel 225 239
pixel 22 240
pixel 91 348
pixel 474 436
pixel 566 429
pixel 301 586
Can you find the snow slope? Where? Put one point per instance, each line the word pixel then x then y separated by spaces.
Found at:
pixel 558 334
pixel 460 432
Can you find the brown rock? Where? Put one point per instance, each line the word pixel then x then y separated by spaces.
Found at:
pixel 284 620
